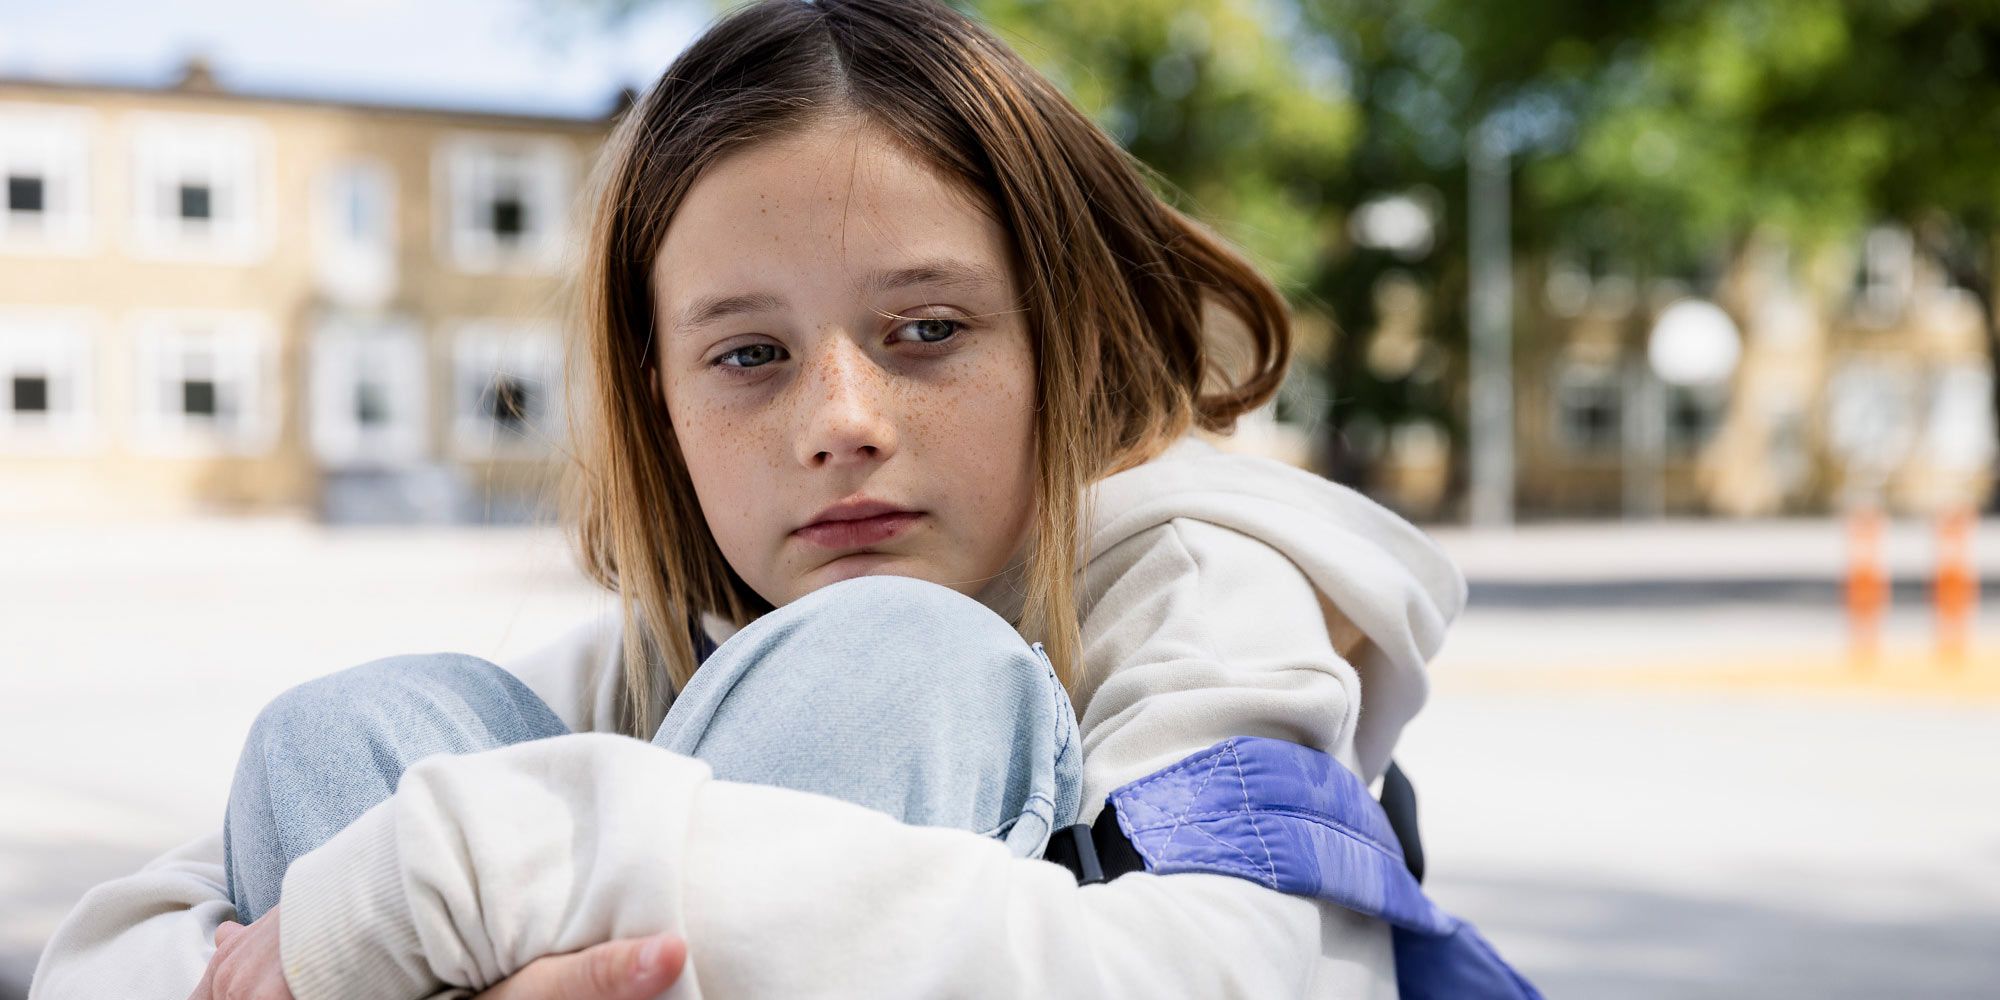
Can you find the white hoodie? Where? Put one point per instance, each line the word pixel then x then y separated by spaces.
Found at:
pixel 1222 595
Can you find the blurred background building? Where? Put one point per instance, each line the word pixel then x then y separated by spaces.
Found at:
pixel 1872 387
pixel 215 300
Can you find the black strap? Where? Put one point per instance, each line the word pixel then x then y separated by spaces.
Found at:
pixel 1399 801
pixel 1100 852
pixel 1095 852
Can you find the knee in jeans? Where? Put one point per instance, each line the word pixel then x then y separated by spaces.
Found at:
pixel 917 634
pixel 355 699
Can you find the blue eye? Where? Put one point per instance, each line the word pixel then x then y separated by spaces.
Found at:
pixel 750 356
pixel 951 327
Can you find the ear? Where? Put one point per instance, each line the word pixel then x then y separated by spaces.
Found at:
pixel 653 390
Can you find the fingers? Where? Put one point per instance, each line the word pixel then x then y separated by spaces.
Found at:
pixel 631 969
pixel 660 964
pixel 635 969
pixel 205 990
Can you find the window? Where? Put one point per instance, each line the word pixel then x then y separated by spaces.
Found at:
pixel 194 203
pixel 1588 408
pixel 25 194
pixel 510 402
pixel 44 156
pixel 1873 410
pixel 199 188
pixel 371 403
pixel 31 393
pixel 510 221
pixel 1958 425
pixel 354 233
pixel 506 381
pixel 45 380
pixel 205 384
pixel 369 398
pixel 1694 413
pixel 506 202
pixel 1885 277
pixel 1583 278
pixel 198 396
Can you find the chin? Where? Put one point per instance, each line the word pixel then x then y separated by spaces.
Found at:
pixel 858 564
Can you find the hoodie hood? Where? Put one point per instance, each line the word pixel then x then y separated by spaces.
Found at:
pixel 1388 580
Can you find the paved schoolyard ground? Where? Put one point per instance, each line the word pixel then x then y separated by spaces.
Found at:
pixel 1647 769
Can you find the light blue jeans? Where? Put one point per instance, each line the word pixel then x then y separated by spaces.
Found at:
pixel 890 692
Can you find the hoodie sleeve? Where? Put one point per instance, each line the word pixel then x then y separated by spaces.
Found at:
pixel 481 863
pixel 144 936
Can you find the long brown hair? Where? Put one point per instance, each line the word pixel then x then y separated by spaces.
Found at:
pixel 1115 282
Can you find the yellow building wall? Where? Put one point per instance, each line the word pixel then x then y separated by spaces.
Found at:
pixel 113 286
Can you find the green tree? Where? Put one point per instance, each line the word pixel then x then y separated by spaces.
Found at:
pixel 1815 117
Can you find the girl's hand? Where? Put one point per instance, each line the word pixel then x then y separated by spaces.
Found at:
pixel 632 969
pixel 245 965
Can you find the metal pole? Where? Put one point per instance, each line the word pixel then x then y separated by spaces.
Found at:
pixel 1644 428
pixel 1490 303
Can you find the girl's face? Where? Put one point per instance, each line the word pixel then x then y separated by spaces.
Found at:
pixel 790 392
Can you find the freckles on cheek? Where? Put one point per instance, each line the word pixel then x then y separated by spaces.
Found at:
pixel 720 448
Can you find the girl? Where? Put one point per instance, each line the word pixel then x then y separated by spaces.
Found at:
pixel 892 361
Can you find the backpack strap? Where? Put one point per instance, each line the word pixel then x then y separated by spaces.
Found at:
pixel 1100 851
pixel 1295 820
pixel 1095 852
pixel 1399 804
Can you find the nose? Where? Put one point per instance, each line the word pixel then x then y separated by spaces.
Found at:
pixel 844 398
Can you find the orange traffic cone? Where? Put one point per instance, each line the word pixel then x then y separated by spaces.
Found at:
pixel 1867 586
pixel 1956 590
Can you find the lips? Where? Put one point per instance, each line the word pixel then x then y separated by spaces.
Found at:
pixel 858 532
pixel 857 522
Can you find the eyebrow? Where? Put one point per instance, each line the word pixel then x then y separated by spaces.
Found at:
pixel 941 271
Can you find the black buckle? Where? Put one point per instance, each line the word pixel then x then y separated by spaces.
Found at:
pixel 1096 852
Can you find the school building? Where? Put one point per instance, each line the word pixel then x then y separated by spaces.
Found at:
pixel 212 300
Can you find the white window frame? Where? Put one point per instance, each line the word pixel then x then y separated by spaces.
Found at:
pixel 59 345
pixel 1958 420
pixel 53 144
pixel 236 349
pixel 346 350
pixel 229 156
pixel 356 269
pixel 1872 410
pixel 472 170
pixel 484 349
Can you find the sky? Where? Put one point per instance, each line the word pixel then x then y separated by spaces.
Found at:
pixel 524 56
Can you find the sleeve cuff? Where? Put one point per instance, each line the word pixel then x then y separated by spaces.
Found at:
pixel 347 930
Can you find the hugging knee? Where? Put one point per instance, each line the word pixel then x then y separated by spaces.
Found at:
pixel 404 694
pixel 899 632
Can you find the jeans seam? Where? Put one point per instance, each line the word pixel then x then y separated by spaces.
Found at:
pixel 1033 797
pixel 1055 692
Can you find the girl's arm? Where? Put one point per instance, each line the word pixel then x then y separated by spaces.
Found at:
pixel 145 936
pixel 778 893
pixel 481 863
